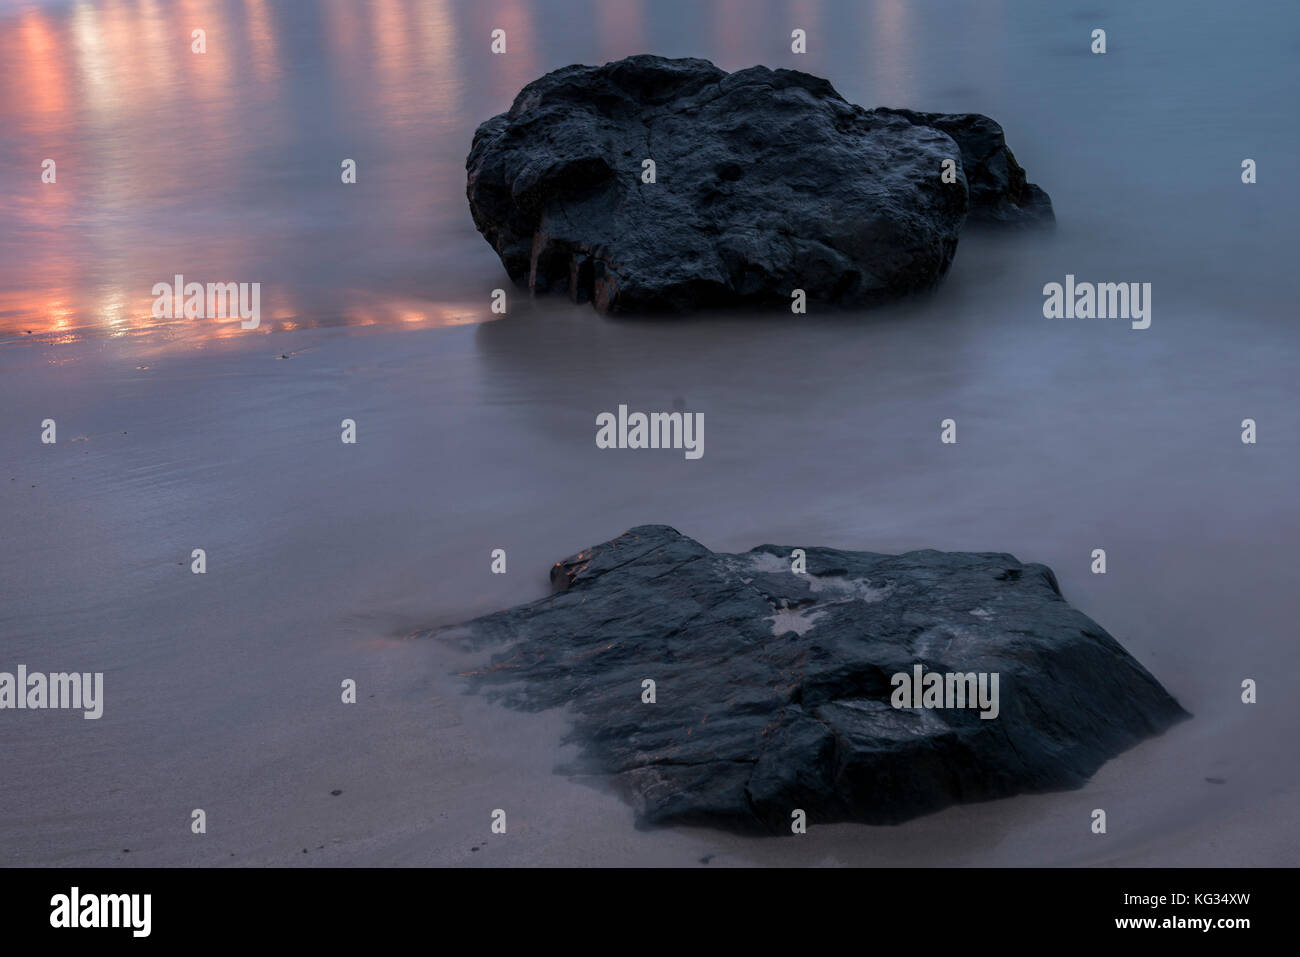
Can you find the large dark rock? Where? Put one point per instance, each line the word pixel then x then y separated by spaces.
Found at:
pixel 774 688
pixel 767 181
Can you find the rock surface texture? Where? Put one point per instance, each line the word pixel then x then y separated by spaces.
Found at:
pixel 766 181
pixel 1000 194
pixel 773 689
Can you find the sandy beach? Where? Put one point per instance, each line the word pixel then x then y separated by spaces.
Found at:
pixel 222 689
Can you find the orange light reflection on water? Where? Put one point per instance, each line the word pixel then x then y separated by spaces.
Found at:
pixel 154 154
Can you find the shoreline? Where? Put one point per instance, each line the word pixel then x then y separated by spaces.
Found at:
pixel 221 691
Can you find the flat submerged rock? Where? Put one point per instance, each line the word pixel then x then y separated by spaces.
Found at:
pixel 766 181
pixel 773 690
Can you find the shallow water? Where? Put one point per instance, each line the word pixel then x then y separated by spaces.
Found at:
pixel 473 435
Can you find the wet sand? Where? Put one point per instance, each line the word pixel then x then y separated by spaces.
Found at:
pixel 223 690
